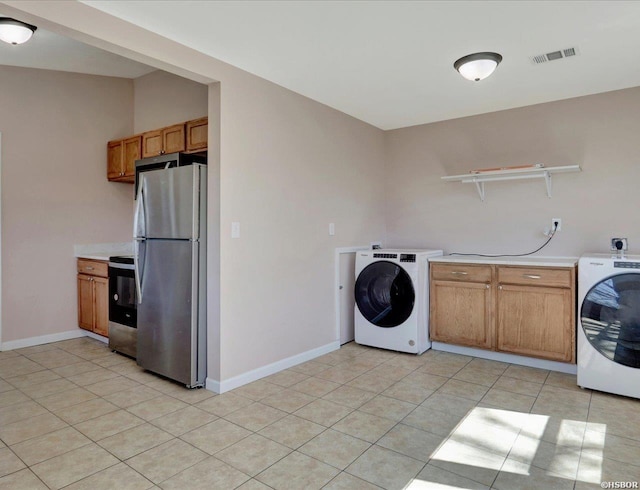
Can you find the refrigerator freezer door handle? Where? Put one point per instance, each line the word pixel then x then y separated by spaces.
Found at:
pixel 136 269
pixel 195 231
pixel 139 221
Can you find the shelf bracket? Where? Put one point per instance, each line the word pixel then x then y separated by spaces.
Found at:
pixel 547 180
pixel 480 187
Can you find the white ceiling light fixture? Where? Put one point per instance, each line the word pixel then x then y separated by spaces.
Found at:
pixel 477 66
pixel 14 31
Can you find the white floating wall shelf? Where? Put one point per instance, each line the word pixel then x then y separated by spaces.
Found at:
pixel 511 174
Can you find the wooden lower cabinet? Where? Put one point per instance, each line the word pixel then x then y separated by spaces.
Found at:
pixel 93 298
pixel 85 302
pixel 528 311
pixel 536 321
pixel 461 313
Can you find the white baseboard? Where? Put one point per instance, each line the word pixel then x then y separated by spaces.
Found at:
pixel 242 379
pixel 42 339
pixel 96 337
pixel 561 367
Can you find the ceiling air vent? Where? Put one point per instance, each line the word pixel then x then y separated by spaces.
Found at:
pixel 553 55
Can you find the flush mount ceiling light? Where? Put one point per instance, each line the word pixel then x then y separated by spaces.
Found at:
pixel 477 66
pixel 15 32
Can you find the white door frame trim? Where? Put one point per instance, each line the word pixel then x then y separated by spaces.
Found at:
pixel 336 286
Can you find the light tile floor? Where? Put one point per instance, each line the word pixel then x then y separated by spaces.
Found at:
pixel 75 415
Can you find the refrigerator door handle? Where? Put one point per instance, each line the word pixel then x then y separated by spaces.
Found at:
pixel 139 221
pixel 139 232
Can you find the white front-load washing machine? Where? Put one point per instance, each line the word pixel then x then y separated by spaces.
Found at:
pixel 392 299
pixel 609 324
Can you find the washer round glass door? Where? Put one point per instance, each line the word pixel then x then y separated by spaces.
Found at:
pixel 610 318
pixel 384 294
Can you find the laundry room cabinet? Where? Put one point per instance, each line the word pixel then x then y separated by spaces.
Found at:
pixel 461 306
pixel 527 309
pixel 535 312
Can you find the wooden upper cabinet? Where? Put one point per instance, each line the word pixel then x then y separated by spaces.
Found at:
pixel 190 137
pixel 121 158
pixel 114 159
pixel 197 134
pixel 166 140
pixel 152 143
pixel 173 138
pixel 132 150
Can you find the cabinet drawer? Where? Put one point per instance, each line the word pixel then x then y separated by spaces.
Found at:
pixel 461 272
pixel 536 276
pixel 93 267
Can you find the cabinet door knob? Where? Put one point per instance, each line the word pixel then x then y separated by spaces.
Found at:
pixel 461 273
pixel 499 287
pixel 531 276
pixel 487 286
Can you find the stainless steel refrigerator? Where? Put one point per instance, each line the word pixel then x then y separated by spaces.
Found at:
pixel 170 271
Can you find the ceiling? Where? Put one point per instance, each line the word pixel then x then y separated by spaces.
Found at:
pixel 390 63
pixel 50 51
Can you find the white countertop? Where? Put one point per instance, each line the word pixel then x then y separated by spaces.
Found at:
pixel 102 251
pixel 533 260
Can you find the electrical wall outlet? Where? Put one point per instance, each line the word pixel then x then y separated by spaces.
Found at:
pixel 554 221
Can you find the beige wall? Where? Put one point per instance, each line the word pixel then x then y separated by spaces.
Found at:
pixel 288 167
pixel 162 99
pixel 54 189
pixel 598 132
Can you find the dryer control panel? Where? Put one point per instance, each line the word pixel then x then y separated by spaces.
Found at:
pixel 385 256
pixel 627 265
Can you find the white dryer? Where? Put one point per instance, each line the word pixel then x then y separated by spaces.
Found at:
pixel 392 299
pixel 609 324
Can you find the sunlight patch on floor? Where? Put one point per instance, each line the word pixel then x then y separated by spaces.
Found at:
pixel 510 446
pixel 592 459
pixel 429 485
